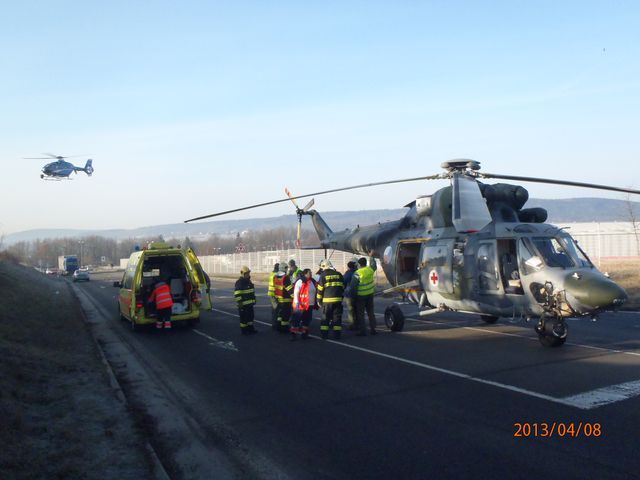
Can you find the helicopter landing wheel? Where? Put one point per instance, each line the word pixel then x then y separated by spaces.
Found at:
pixel 489 318
pixel 394 318
pixel 552 333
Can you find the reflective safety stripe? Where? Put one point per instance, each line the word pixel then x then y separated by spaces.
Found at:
pixel 337 327
pixel 244 292
pixel 243 325
pixel 324 327
pixel 283 323
pixel 284 300
pixel 247 302
pixel 332 300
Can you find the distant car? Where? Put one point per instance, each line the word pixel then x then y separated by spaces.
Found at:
pixel 51 271
pixel 81 275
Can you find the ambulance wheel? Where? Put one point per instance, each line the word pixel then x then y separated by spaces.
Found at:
pixel 119 312
pixel 489 318
pixel 192 322
pixel 394 318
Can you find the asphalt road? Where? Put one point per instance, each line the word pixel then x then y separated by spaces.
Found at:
pixel 442 399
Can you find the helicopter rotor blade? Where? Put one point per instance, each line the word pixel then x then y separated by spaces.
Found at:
pixel 306 208
pixel 557 182
pixel 334 190
pixel 291 197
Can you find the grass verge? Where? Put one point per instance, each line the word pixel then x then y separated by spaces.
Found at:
pixel 59 417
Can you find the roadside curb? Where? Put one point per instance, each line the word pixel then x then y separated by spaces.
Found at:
pixel 158 469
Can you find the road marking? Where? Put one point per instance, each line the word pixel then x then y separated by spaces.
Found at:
pixel 603 396
pixel 217 343
pixel 584 401
pixel 485 330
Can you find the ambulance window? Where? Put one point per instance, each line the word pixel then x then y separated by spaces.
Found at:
pixel 128 279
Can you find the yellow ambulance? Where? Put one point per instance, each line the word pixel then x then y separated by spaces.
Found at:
pixel 179 268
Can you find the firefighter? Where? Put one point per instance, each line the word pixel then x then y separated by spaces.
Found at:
pixel 329 297
pixel 283 291
pixel 363 287
pixel 271 293
pixel 161 295
pixel 304 303
pixel 245 295
pixel 348 294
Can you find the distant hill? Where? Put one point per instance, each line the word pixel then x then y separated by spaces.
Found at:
pixel 567 210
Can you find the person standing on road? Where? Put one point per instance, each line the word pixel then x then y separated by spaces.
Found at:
pixel 245 295
pixel 363 285
pixel 329 297
pixel 304 303
pixel 349 294
pixel 283 290
pixel 161 296
pixel 271 293
pixel 294 272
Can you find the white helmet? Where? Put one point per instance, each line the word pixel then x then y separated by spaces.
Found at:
pixel 325 264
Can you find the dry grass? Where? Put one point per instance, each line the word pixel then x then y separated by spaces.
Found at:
pixel 626 273
pixel 58 416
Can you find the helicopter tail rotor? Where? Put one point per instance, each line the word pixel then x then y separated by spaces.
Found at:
pixel 299 212
pixel 88 168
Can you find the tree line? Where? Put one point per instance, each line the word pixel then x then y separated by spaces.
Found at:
pixel 97 250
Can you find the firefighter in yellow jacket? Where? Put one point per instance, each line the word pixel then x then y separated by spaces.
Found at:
pixel 271 293
pixel 283 290
pixel 330 292
pixel 245 295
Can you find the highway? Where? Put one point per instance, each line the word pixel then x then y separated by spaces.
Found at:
pixel 446 398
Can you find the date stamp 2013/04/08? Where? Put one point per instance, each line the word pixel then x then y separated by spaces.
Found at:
pixel 557 429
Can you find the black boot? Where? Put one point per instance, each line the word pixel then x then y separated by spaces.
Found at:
pixel 337 334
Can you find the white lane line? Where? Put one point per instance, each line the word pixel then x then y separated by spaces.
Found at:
pixel 440 370
pixel 478 329
pixel 217 343
pixel 604 396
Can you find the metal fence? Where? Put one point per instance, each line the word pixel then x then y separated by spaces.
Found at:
pixel 262 262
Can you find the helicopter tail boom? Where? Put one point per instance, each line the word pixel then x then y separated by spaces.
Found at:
pixel 88 168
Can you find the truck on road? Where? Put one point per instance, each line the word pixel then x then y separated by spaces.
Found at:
pixel 67 264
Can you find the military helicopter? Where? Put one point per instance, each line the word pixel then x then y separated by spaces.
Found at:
pixel 61 170
pixel 471 247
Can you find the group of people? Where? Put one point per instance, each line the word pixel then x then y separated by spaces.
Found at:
pixel 296 293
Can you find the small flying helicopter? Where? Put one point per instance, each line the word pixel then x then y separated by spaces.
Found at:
pixel 61 170
pixel 471 247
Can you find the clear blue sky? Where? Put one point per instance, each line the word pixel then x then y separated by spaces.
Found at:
pixel 193 107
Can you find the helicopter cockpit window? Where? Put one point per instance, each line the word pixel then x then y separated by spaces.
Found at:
pixel 553 252
pixel 529 261
pixel 575 252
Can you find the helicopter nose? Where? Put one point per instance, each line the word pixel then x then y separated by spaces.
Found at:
pixel 594 291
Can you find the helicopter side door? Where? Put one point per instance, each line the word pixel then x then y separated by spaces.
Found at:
pixel 436 266
pixel 487 268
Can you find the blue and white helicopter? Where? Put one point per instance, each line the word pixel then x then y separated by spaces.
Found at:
pixel 60 169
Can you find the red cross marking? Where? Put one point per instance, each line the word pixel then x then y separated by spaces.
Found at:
pixel 434 277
